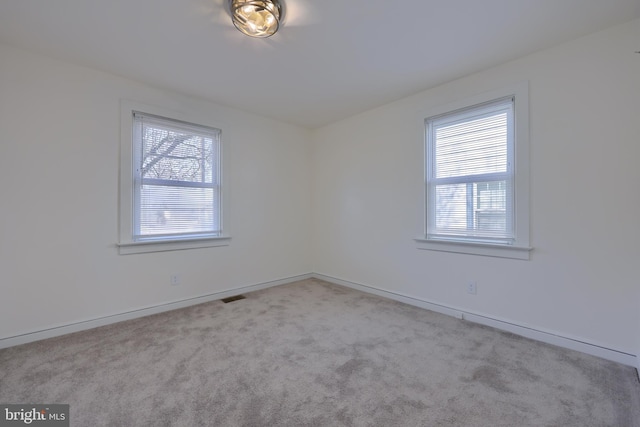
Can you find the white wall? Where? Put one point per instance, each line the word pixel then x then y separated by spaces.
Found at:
pixel 59 140
pixel 59 136
pixel 582 279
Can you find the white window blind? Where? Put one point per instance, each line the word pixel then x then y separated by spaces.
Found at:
pixel 470 174
pixel 176 179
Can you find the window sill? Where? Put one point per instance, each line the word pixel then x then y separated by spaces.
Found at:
pixel 499 251
pixel 171 245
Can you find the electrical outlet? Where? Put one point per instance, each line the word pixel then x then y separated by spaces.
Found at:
pixel 472 288
pixel 175 280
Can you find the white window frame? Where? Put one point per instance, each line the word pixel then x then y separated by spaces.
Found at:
pixel 127 244
pixel 519 247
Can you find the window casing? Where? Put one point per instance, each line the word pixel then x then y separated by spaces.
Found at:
pixel 476 175
pixel 171 183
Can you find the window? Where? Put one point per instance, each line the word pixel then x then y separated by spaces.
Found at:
pixel 171 192
pixel 176 191
pixel 476 174
pixel 470 174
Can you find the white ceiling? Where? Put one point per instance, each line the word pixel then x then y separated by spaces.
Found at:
pixel 331 58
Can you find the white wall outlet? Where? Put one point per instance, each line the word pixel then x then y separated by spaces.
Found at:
pixel 472 288
pixel 175 279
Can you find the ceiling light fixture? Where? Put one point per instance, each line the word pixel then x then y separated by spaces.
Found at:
pixel 256 18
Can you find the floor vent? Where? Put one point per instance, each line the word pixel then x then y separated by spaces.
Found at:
pixel 232 299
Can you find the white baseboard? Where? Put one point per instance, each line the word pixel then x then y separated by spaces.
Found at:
pixel 502 324
pixel 133 314
pixel 548 337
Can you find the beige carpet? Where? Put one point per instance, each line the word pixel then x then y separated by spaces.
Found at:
pixel 314 354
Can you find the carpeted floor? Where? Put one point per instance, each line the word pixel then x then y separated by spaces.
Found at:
pixel 315 354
